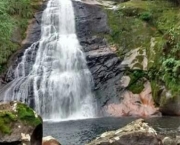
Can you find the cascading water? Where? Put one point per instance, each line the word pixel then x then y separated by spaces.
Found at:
pixel 58 78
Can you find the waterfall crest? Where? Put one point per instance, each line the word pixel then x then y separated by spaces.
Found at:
pixel 58 78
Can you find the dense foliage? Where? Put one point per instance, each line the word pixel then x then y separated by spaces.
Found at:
pixel 14 15
pixel 152 27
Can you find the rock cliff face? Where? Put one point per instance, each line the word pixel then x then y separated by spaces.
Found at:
pixel 94 29
pixel 135 104
pixel 104 64
pixel 33 34
pixel 125 38
pixel 91 22
pixel 146 35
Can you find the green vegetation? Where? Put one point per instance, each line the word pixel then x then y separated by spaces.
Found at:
pixel 146 16
pixel 5 121
pixel 128 30
pixel 151 26
pixel 14 15
pixel 137 77
pixel 23 114
pixel 26 115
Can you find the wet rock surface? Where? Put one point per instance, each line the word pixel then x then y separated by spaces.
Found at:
pixel 169 103
pixel 136 133
pixel 171 107
pixel 19 125
pixel 33 35
pixel 104 64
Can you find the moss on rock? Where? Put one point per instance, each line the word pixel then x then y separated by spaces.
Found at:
pixel 16 113
pixel 28 115
pixel 6 118
pixel 152 26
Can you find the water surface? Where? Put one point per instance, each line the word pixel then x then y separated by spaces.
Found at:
pixel 80 132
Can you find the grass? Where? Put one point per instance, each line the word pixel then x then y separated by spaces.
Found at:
pixel 125 32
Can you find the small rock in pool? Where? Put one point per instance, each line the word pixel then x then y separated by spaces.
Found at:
pixel 49 140
pixel 167 141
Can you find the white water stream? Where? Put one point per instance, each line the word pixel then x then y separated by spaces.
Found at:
pixel 58 79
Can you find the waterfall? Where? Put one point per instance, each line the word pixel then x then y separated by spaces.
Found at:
pixel 57 82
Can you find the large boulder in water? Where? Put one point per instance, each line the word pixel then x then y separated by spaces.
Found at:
pixel 19 124
pixel 135 133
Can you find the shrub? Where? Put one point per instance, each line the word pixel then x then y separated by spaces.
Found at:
pixel 13 14
pixel 146 16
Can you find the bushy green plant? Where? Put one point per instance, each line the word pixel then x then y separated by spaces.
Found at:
pixel 19 7
pixel 146 16
pixel 136 84
pixel 171 67
pixel 13 14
